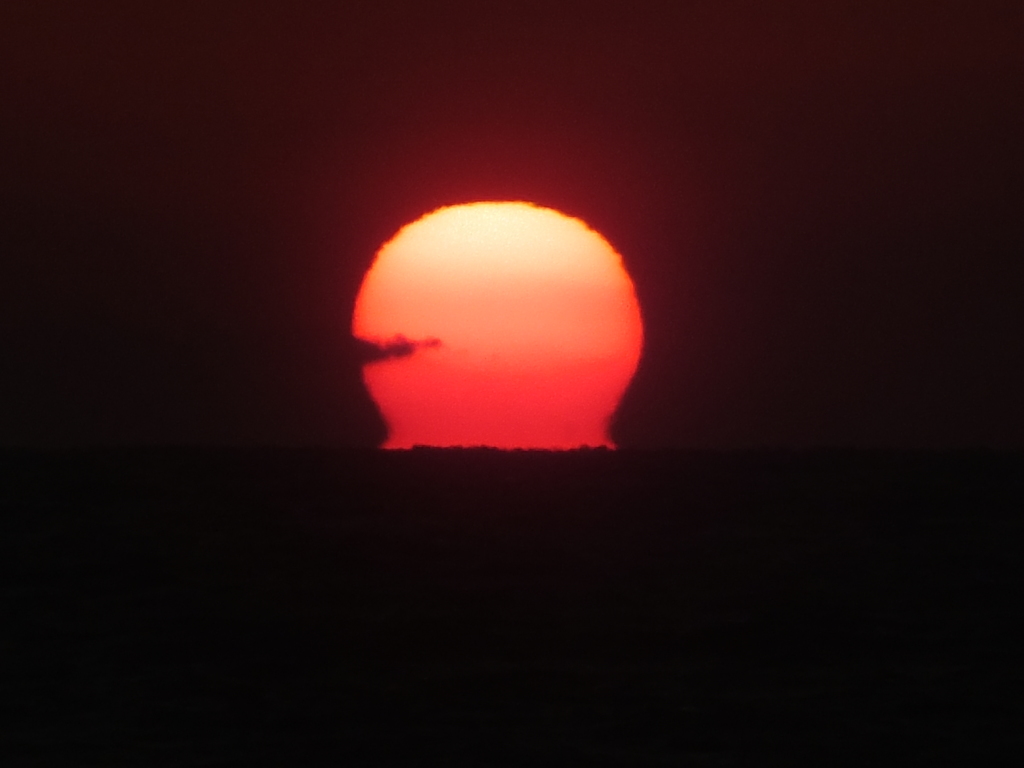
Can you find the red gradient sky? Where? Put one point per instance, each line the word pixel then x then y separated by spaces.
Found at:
pixel 818 205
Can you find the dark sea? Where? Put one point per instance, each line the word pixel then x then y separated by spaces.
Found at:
pixel 263 607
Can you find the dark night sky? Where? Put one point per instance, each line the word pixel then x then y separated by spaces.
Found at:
pixel 821 204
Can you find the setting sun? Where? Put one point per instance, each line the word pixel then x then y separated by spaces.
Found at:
pixel 500 324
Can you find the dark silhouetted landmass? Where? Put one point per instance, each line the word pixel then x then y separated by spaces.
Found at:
pixel 176 607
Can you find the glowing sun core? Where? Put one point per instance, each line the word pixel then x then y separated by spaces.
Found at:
pixel 516 327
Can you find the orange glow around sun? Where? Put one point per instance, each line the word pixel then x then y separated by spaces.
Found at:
pixel 499 324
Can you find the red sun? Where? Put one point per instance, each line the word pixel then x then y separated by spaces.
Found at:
pixel 500 324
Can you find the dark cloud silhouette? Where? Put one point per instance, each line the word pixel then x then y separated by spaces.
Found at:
pixel 395 347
